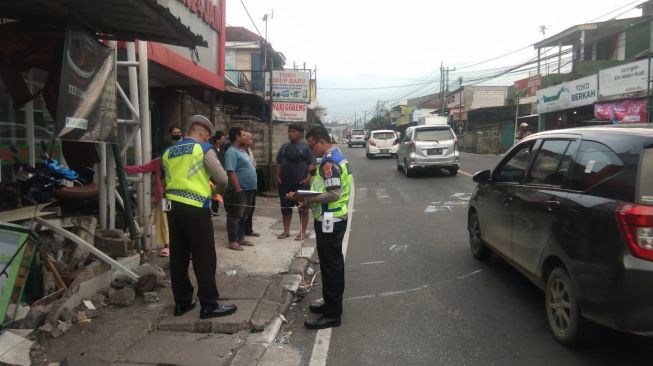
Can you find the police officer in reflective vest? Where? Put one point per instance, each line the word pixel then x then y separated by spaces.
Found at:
pixel 333 180
pixel 188 165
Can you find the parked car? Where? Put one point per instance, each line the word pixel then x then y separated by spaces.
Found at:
pixel 357 138
pixel 428 147
pixel 381 142
pixel 573 211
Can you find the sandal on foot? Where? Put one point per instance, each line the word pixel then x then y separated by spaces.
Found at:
pixel 165 252
pixel 246 243
pixel 300 237
pixel 283 236
pixel 235 246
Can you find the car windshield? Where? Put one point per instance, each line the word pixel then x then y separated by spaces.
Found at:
pixel 433 135
pixel 384 136
pixel 358 132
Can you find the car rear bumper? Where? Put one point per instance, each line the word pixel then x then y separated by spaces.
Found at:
pixel 390 150
pixel 433 162
pixel 628 306
pixel 356 142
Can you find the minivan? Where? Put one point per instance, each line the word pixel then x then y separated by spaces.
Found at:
pixel 357 138
pixel 428 147
pixel 573 211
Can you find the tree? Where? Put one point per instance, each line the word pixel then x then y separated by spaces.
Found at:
pixel 378 122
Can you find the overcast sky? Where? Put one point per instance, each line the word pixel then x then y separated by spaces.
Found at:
pixel 370 44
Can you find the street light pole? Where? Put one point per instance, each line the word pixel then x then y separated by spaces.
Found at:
pixel 270 68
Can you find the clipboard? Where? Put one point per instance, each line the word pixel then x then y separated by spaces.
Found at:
pixel 304 193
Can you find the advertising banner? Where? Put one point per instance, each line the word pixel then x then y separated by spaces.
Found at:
pixel 624 79
pixel 571 94
pixel 86 107
pixel 624 111
pixel 528 87
pixel 288 86
pixel 289 112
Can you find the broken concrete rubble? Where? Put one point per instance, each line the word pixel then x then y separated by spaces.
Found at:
pixel 124 297
pixel 146 283
pixel 112 242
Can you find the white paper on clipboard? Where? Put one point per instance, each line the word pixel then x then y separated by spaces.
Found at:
pixel 304 193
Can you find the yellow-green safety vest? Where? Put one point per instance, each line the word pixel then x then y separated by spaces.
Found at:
pixel 186 179
pixel 318 184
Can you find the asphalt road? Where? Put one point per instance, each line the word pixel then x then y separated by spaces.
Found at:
pixel 415 296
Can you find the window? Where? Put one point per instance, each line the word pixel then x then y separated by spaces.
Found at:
pixel 551 164
pixel 514 170
pixel 594 163
pixel 433 135
pixel 383 136
pixel 358 132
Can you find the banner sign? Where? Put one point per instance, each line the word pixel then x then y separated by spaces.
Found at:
pixel 528 87
pixel 288 86
pixel 86 107
pixel 624 111
pixel 625 79
pixel 289 112
pixel 570 94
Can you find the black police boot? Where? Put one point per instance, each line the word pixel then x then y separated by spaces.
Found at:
pixel 217 311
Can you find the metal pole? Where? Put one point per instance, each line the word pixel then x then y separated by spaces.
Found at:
pixel 144 96
pixel 138 151
pixel 29 119
pixel 514 138
pixel 102 183
pixel 559 56
pixel 111 183
pixel 270 139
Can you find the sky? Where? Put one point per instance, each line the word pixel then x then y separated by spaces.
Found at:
pixel 371 51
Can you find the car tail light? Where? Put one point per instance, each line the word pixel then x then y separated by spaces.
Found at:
pixel 372 142
pixel 455 144
pixel 636 224
pixel 412 145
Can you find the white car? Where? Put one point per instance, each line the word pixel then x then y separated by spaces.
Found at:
pixel 381 142
pixel 357 138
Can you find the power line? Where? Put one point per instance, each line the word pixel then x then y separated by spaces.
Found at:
pixel 381 87
pixel 250 18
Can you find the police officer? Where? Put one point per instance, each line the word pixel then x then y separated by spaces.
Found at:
pixel 333 180
pixel 188 165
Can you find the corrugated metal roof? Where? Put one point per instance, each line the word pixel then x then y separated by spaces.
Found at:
pixel 124 20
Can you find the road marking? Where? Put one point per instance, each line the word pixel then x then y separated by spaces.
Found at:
pixel 323 337
pixel 470 274
pixel 465 173
pixel 368 263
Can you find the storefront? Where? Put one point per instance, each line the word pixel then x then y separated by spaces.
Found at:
pixel 568 104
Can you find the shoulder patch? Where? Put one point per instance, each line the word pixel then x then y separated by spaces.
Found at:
pixel 327 169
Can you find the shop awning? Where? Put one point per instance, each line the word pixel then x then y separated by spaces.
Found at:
pixel 123 20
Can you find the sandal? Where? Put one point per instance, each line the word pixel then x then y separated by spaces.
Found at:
pixel 235 246
pixel 246 243
pixel 300 237
pixel 165 252
pixel 283 236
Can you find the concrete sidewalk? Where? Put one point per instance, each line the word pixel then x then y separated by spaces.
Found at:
pixel 261 281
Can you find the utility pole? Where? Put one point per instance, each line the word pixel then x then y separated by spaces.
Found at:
pixel 355 121
pixel 444 85
pixel 365 119
pixel 266 17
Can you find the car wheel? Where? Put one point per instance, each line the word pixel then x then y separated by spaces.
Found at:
pixel 349 146
pixel 453 171
pixel 480 251
pixel 368 155
pixel 398 166
pixel 562 311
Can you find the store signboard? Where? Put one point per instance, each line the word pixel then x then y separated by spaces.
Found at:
pixel 289 112
pixel 570 94
pixel 288 86
pixel 528 87
pixel 624 79
pixel 624 111
pixel 86 107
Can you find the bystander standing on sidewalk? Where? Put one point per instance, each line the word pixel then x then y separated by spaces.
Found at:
pixel 295 164
pixel 218 142
pixel 240 190
pixel 249 227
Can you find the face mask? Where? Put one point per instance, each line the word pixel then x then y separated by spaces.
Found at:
pixel 175 137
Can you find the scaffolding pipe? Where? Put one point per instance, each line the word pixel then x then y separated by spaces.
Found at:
pixel 102 184
pixel 137 114
pixel 111 183
pixel 29 119
pixel 144 97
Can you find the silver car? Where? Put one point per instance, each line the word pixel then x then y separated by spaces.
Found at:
pixel 428 147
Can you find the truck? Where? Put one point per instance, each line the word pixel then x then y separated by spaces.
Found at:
pixel 432 119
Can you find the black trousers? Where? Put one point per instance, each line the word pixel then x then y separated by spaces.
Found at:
pixel 332 266
pixel 237 206
pixel 248 224
pixel 191 232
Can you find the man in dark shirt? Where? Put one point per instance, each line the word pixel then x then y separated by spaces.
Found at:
pixel 295 164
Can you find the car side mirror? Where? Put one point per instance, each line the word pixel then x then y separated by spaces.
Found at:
pixel 483 176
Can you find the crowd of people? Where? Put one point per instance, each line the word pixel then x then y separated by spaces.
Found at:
pixel 201 170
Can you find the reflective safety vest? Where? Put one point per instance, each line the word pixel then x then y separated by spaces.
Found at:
pixel 339 207
pixel 186 179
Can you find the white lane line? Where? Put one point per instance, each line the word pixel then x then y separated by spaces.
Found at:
pixel 368 263
pixel 465 173
pixel 323 337
pixel 470 274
